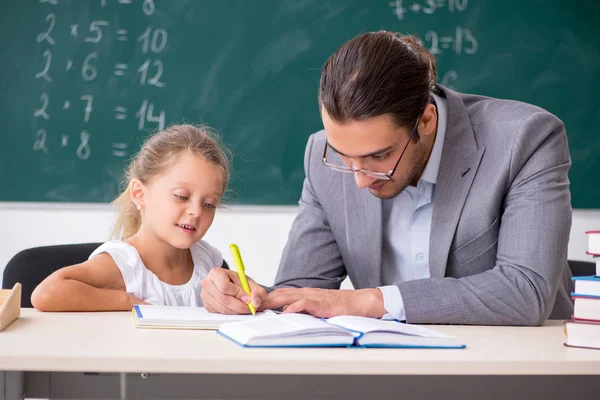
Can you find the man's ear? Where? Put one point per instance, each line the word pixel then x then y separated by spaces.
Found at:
pixel 428 123
pixel 136 192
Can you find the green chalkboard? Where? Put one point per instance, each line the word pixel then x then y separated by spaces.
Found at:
pixel 83 82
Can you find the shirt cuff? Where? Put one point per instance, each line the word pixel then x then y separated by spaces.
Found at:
pixel 392 302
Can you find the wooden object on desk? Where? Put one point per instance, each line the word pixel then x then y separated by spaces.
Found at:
pixel 10 305
pixel 109 342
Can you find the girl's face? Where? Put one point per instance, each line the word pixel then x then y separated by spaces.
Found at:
pixel 180 204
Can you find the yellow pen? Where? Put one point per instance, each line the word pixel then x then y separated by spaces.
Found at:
pixel 241 271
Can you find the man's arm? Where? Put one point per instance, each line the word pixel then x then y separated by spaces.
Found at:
pixel 311 257
pixel 521 287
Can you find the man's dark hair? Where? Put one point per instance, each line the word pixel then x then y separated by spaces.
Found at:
pixel 378 73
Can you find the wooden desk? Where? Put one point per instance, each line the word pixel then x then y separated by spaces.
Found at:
pixel 109 343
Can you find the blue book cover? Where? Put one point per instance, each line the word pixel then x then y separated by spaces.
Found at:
pixel 586 286
pixel 594 278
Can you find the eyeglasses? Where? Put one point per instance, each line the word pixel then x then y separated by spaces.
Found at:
pixel 379 175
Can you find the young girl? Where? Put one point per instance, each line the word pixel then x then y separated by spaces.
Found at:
pixel 174 186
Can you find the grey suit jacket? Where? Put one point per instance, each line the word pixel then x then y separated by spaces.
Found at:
pixel 500 226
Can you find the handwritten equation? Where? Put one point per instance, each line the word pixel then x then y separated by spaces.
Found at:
pixel 403 7
pixel 461 41
pixel 152 42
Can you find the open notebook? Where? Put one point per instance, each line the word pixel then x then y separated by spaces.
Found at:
pixel 300 330
pixel 146 316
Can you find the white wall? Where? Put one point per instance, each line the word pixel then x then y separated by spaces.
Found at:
pixel 260 232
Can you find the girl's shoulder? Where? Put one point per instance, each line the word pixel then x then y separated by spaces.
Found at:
pixel 121 252
pixel 206 255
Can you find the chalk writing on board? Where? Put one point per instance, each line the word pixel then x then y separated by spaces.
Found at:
pixel 152 41
pixel 146 114
pixel 448 79
pixel 122 35
pixel 119 149
pixel 459 42
pixel 45 36
pixel 157 43
pixel 83 150
pixel 89 100
pixel 148 7
pixel 40 141
pixel 401 7
pixel 41 112
pixel 44 73
pixel 95 31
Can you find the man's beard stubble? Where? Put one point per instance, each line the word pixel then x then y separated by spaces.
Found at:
pixel 393 188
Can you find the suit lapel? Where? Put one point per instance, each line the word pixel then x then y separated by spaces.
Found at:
pixel 363 218
pixel 458 167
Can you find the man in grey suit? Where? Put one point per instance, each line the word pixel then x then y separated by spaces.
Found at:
pixel 441 207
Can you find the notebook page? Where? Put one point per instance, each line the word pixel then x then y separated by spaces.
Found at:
pixel 366 325
pixel 172 313
pixel 285 324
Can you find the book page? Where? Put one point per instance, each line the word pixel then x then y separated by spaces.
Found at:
pixel 366 325
pixel 298 328
pixel 284 324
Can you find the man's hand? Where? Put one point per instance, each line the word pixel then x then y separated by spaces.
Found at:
pixel 327 303
pixel 222 293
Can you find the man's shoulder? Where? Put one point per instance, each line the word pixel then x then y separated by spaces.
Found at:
pixel 315 146
pixel 483 110
pixel 318 139
pixel 501 122
pixel 322 177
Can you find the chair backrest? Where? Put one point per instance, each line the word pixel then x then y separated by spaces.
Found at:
pixel 31 266
pixel 582 268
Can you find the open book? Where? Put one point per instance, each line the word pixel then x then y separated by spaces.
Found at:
pixel 301 330
pixel 146 316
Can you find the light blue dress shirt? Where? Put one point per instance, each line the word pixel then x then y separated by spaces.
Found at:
pixel 407 227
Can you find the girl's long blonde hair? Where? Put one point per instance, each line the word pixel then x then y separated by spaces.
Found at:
pixel 158 153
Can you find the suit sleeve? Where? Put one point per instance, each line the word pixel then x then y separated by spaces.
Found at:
pixel 311 257
pixel 520 289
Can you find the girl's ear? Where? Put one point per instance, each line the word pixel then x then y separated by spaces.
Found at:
pixel 136 192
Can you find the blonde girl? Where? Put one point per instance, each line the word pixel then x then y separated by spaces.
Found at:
pixel 174 186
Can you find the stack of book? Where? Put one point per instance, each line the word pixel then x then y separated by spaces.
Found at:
pixel 584 328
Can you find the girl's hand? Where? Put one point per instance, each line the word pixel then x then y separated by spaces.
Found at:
pixel 222 293
pixel 134 300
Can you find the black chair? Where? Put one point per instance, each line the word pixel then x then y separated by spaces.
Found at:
pixel 31 266
pixel 582 268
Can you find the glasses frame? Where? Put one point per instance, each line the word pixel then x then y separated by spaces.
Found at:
pixel 379 175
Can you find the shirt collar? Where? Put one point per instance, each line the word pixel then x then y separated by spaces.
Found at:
pixel 433 164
